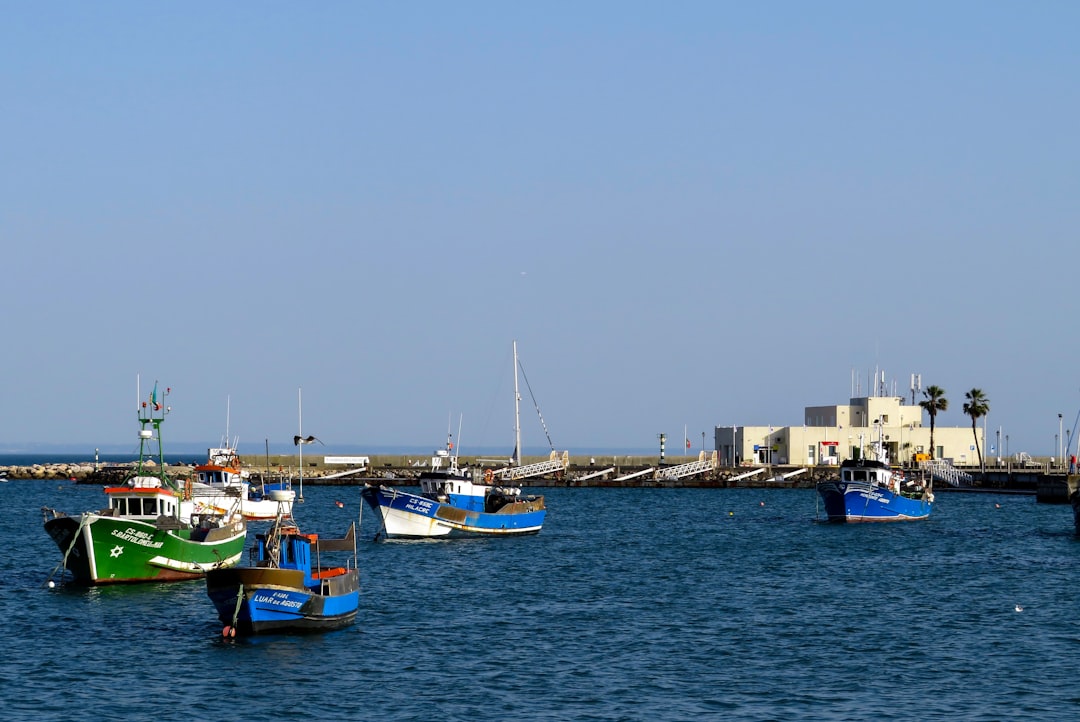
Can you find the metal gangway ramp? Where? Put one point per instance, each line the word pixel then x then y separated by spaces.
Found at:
pixel 942 470
pixel 361 464
pixel 636 474
pixel 705 462
pixel 554 464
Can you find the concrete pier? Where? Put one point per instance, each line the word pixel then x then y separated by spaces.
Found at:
pixel 1048 485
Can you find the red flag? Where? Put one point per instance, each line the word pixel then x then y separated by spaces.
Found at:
pixel 688 443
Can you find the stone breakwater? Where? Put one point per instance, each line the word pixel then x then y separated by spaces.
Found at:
pixel 87 472
pixel 48 471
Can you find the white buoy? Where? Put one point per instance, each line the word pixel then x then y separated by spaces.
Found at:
pixel 51 584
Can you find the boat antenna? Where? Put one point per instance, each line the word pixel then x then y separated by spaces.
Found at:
pixel 262 483
pixel 449 435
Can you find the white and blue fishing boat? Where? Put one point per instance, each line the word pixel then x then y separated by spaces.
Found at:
pixel 221 483
pixel 463 501
pixel 455 501
pixel 291 584
pixel 870 490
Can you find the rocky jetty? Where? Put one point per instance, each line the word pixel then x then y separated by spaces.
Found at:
pixel 83 473
pixel 73 472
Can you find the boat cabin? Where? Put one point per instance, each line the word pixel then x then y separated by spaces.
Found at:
pixel 214 475
pixel 285 547
pixel 863 470
pixel 142 502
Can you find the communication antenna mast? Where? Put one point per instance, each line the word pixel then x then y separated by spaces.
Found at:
pixel 916 386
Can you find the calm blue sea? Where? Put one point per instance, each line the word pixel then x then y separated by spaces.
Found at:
pixel 632 604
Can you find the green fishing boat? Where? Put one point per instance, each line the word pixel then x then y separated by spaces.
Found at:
pixel 150 530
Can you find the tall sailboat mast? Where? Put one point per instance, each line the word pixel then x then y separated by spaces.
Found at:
pixel 517 412
pixel 300 431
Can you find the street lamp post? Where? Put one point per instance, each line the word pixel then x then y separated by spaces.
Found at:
pixel 1060 438
pixel 911 435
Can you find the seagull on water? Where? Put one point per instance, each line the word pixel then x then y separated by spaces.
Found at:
pixel 1019 608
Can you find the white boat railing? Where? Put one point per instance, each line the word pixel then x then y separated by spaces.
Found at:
pixel 942 470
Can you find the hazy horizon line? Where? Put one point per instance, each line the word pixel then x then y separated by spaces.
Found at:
pixel 251 450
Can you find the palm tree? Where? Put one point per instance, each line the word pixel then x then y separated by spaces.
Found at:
pixel 976 406
pixel 935 401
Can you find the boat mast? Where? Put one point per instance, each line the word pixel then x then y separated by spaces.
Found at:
pixel 517 413
pixel 151 413
pixel 300 430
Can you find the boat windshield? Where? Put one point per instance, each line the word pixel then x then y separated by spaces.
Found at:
pixel 141 507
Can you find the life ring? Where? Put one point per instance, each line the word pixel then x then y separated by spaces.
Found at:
pixel 489 476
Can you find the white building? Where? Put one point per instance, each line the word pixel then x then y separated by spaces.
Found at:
pixel 830 434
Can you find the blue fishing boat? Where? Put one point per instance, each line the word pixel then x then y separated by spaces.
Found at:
pixel 870 490
pixel 455 502
pixel 462 501
pixel 287 587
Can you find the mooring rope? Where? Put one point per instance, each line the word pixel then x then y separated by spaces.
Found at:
pixel 239 601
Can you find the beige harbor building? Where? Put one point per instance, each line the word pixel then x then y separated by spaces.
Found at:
pixel 831 434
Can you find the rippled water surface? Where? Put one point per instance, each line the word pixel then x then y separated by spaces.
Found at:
pixel 633 604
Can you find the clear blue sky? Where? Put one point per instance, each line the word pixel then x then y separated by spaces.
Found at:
pixel 688 214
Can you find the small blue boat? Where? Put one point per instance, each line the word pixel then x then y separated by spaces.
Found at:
pixel 455 502
pixel 869 490
pixel 288 588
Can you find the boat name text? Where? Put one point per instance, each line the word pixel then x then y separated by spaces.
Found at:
pixel 135 536
pixel 278 599
pixel 420 506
